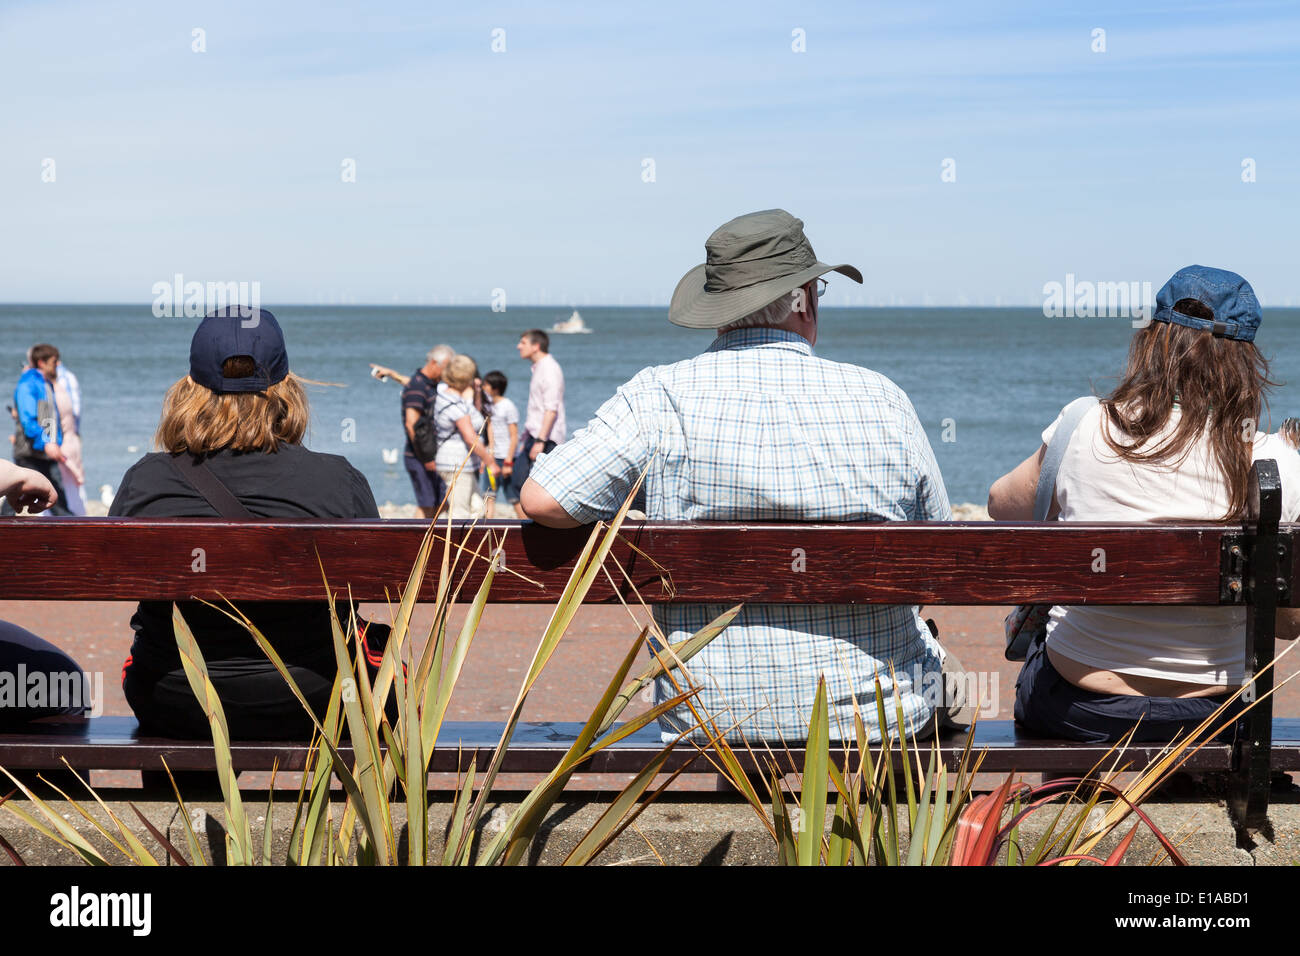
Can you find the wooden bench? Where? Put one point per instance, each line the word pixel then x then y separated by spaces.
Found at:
pixel 958 563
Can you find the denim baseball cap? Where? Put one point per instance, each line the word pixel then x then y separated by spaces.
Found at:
pixel 1226 294
pixel 238 330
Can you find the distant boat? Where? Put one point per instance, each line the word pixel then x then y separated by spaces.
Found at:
pixel 573 324
pixel 106 495
pixel 390 455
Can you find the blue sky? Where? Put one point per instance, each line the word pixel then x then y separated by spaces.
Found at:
pixel 523 169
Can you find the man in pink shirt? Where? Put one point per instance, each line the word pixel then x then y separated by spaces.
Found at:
pixel 544 425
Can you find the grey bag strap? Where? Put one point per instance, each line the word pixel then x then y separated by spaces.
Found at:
pixel 1070 419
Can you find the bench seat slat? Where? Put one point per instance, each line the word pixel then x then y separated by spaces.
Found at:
pixel 111 743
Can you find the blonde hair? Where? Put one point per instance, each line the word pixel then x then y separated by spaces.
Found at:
pixel 460 373
pixel 197 420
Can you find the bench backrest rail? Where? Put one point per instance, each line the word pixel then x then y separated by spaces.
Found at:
pixel 978 563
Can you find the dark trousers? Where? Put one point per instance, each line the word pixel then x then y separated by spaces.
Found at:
pixel 254 697
pixel 50 470
pixel 430 489
pixel 524 464
pixel 1049 705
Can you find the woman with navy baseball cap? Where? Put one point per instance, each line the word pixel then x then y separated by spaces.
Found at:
pixel 230 442
pixel 1175 440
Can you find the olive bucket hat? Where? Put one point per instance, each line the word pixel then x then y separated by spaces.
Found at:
pixel 750 262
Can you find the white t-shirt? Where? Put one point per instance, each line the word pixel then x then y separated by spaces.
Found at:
pixel 449 409
pixel 504 414
pixel 1196 645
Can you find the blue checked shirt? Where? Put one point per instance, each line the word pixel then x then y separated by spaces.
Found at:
pixel 757 428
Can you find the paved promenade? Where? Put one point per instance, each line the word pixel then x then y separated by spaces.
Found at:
pixel 98 637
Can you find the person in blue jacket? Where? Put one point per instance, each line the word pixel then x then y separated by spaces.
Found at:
pixel 39 436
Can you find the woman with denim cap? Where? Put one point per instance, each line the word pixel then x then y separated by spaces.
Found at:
pixel 1174 441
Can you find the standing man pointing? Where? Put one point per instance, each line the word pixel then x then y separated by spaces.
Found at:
pixel 418 395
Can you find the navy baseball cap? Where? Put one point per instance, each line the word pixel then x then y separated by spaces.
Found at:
pixel 1226 294
pixel 238 330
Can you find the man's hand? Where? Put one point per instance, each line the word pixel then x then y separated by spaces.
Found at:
pixel 431 465
pixel 54 453
pixel 28 489
pixel 536 449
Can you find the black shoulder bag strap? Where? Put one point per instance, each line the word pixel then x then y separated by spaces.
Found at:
pixel 200 477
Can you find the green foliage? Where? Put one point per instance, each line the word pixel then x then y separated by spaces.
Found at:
pixel 865 824
pixel 938 818
pixel 390 760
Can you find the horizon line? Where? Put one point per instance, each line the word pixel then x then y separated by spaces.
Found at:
pixel 591 305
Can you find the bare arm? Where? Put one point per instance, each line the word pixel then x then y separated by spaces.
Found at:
pixel 514 444
pixel 542 508
pixel 411 416
pixel 1012 496
pixel 548 422
pixel 381 372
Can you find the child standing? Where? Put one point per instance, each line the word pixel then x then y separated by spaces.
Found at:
pixel 503 439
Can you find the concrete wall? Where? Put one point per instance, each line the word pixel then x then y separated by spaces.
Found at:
pixel 673 831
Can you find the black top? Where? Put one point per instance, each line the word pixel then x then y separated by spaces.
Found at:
pixel 290 483
pixel 419 393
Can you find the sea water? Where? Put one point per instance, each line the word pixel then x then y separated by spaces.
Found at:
pixel 985 382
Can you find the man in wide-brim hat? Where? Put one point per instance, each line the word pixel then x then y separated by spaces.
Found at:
pixel 757 428
pixel 761 262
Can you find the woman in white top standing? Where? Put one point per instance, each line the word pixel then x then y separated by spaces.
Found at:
pixel 1174 441
pixel 454 421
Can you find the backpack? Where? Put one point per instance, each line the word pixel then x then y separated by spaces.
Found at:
pixel 424 440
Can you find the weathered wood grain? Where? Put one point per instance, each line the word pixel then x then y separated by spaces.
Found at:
pixel 957 563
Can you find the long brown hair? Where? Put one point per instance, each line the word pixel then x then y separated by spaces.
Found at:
pixel 1219 385
pixel 198 420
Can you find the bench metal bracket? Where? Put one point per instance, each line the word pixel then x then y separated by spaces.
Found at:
pixel 1285 569
pixel 1251 777
pixel 1232 569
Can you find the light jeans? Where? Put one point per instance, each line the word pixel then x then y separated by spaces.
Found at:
pixel 460 491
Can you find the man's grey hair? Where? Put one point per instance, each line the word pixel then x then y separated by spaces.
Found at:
pixel 441 354
pixel 774 313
